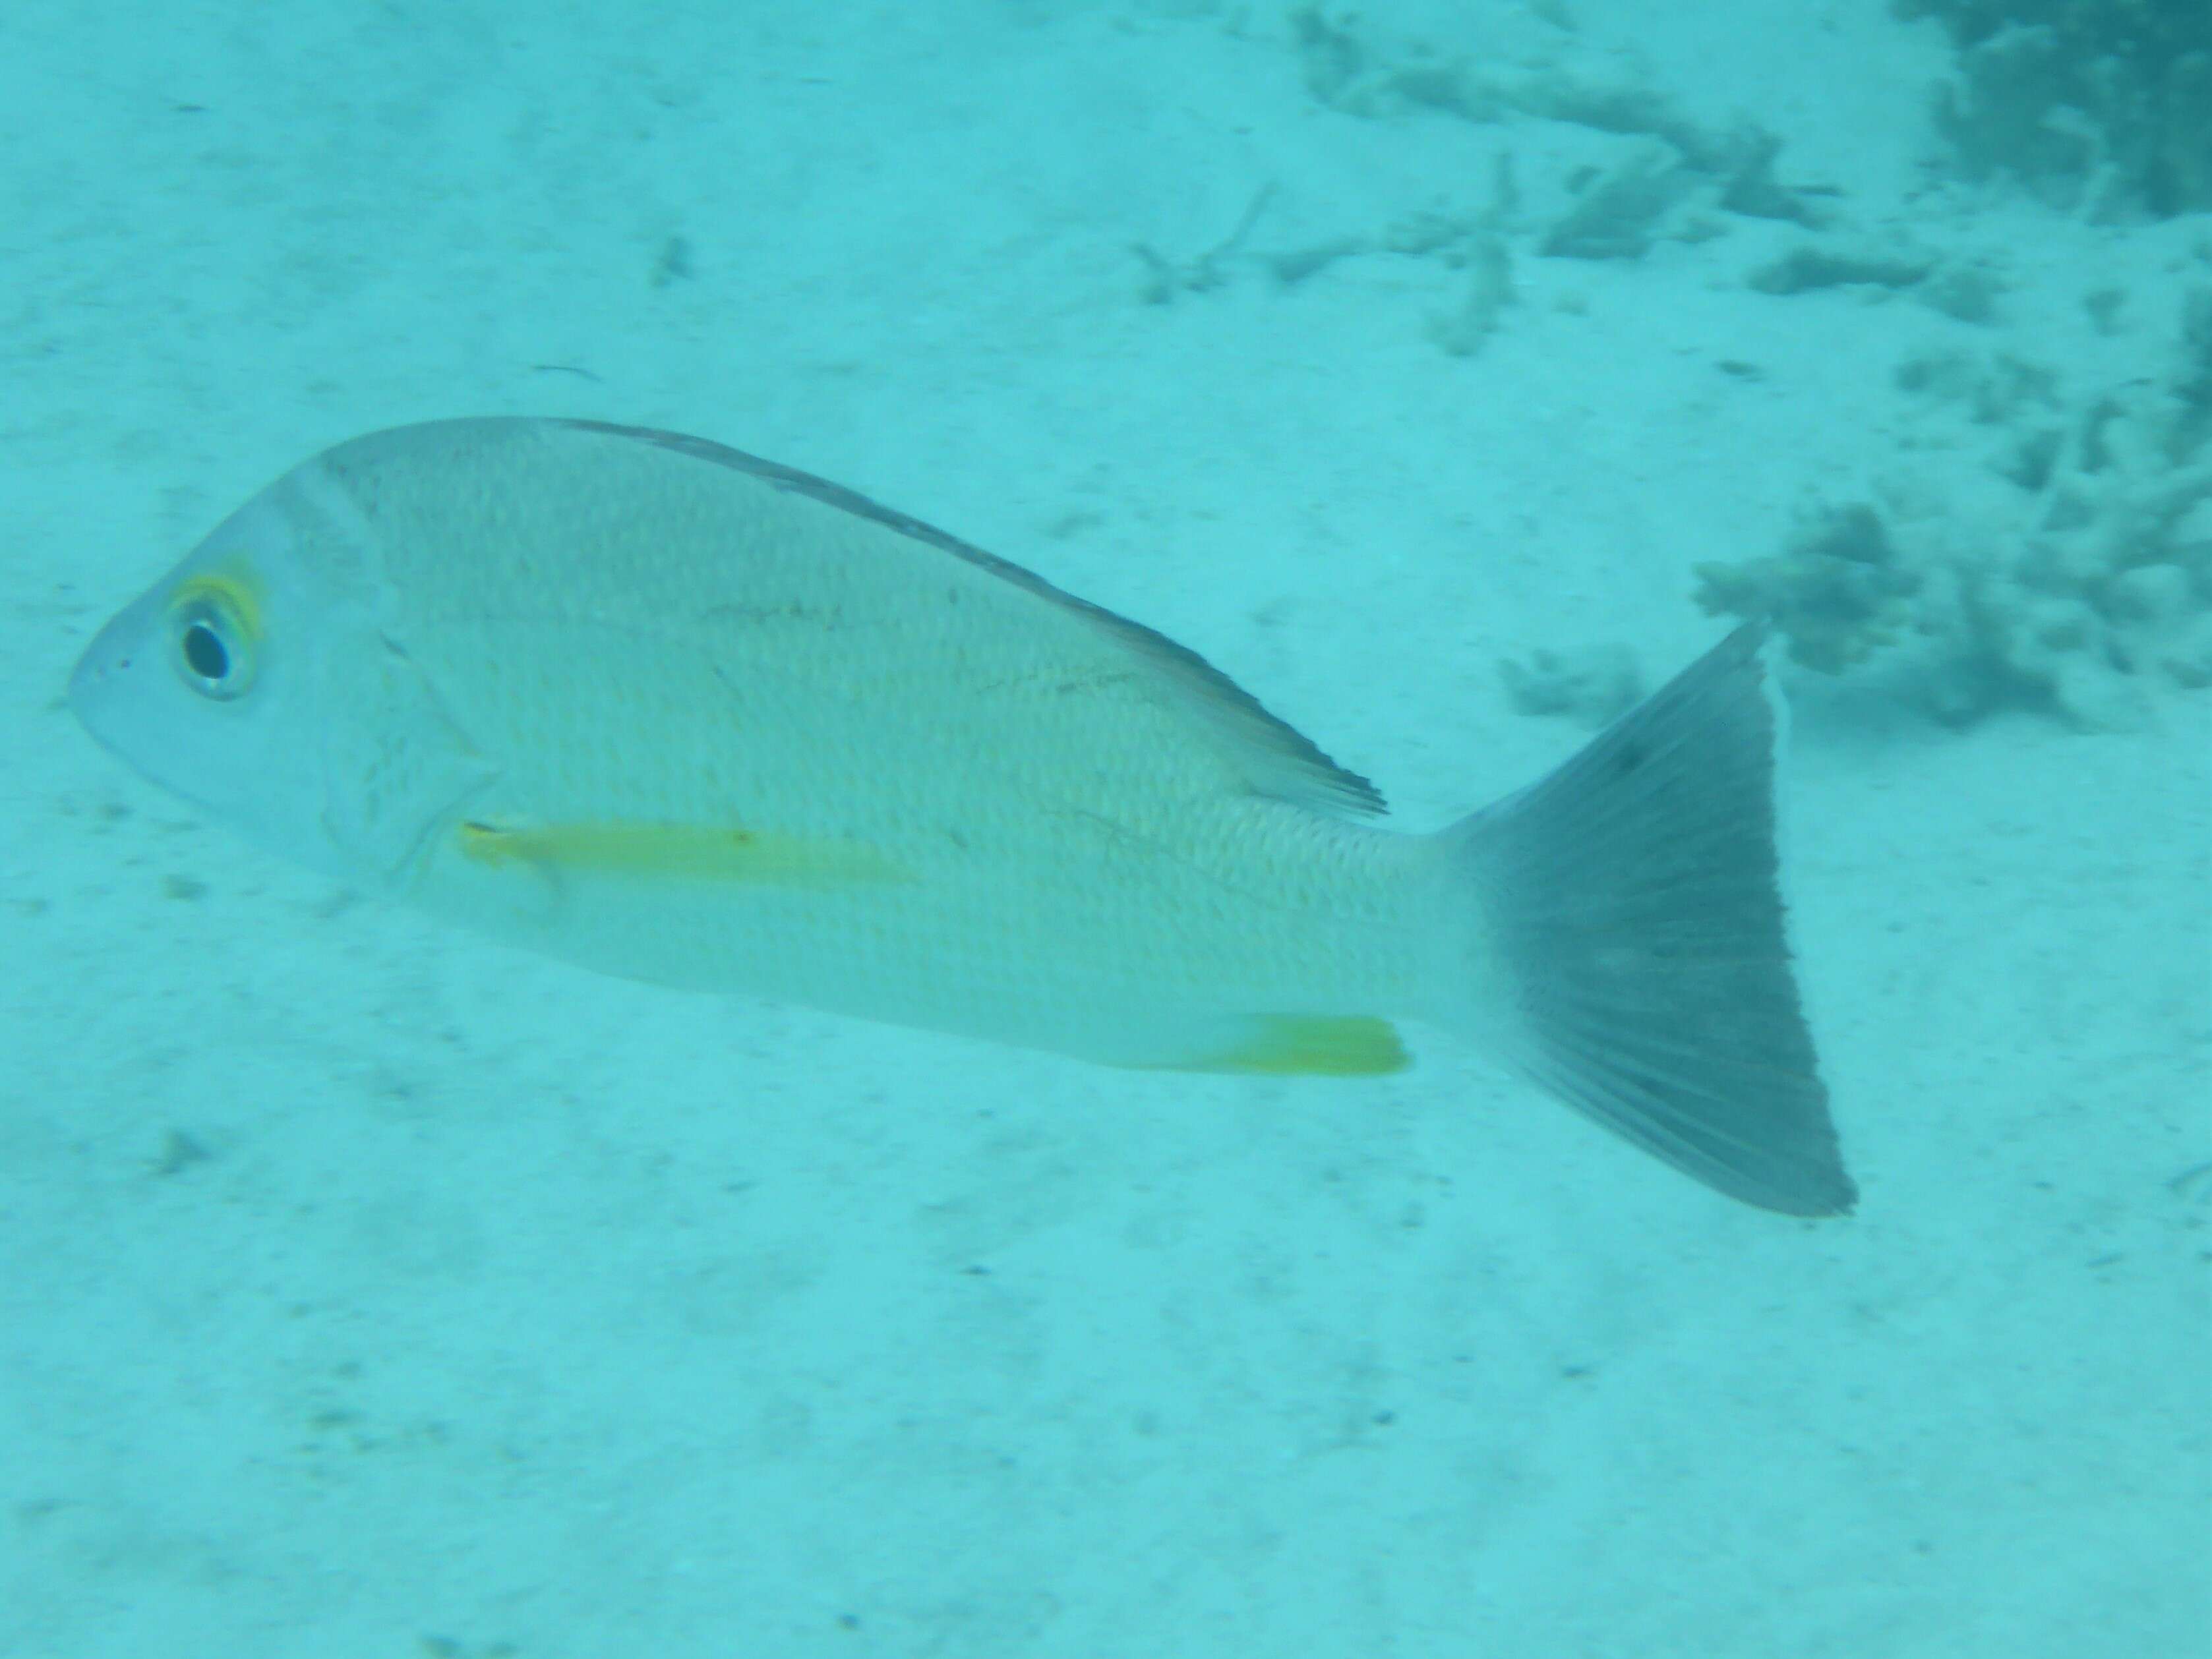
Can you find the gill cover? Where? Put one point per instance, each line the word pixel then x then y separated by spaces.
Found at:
pixel 255 681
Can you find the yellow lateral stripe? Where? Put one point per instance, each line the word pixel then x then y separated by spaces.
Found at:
pixel 1311 1045
pixel 687 852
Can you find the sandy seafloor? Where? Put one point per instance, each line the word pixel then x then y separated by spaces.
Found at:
pixel 370 1291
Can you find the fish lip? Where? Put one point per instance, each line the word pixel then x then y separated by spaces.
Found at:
pixel 97 672
pixel 82 677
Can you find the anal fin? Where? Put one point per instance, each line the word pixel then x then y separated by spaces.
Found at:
pixel 1302 1046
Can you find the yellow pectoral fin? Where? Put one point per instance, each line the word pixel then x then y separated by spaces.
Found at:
pixel 677 852
pixel 1308 1046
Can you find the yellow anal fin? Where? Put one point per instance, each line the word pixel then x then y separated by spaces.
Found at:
pixel 1310 1045
pixel 677 852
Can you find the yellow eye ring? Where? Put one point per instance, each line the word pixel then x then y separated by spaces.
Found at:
pixel 213 628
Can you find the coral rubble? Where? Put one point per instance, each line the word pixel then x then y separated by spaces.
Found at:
pixel 2099 103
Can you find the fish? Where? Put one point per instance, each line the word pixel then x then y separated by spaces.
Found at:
pixel 668 711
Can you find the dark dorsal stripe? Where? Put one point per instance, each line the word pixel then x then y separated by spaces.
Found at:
pixel 1320 780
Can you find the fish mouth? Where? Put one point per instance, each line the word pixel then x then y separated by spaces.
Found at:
pixel 104 677
pixel 124 695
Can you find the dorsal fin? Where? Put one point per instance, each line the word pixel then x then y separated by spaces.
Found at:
pixel 1273 756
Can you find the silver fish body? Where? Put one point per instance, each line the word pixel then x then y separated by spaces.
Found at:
pixel 670 712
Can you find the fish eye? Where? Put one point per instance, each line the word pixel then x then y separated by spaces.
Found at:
pixel 214 654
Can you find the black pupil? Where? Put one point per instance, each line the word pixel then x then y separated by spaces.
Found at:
pixel 205 653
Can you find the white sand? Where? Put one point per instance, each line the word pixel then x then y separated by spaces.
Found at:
pixel 513 1312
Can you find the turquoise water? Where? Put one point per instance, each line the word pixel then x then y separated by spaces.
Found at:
pixel 368 1290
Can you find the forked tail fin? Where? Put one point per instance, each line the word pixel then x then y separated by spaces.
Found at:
pixel 1632 925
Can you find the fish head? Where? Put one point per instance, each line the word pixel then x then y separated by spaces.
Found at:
pixel 254 681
